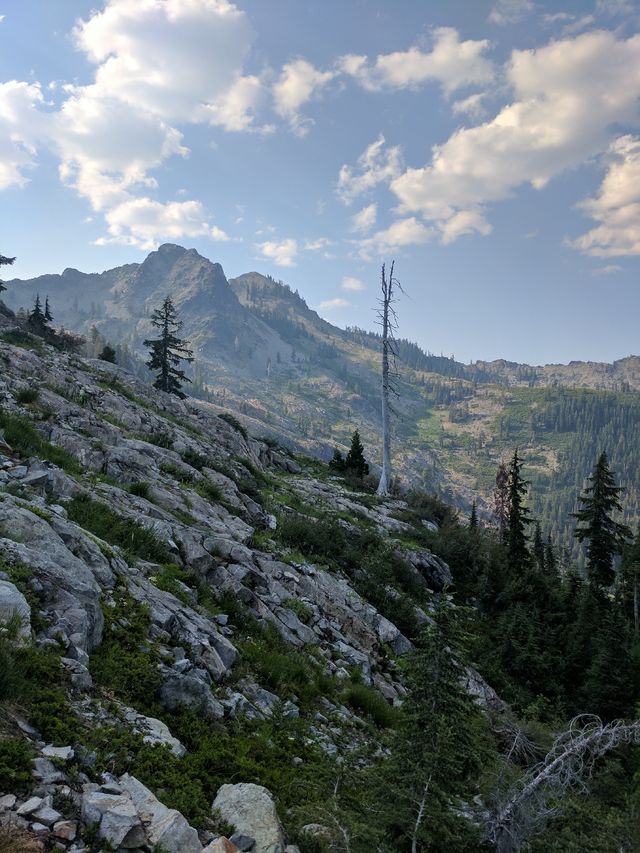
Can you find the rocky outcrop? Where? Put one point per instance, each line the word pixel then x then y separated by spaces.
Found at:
pixel 252 811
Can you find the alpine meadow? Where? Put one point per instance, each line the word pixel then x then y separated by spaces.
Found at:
pixel 340 554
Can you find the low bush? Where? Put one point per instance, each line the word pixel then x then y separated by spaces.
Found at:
pixel 98 518
pixel 24 438
pixel 209 491
pixel 235 423
pixel 15 765
pixel 367 701
pixel 193 458
pixel 141 489
pixel 27 396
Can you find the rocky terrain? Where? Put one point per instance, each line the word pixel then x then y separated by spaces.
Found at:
pixel 160 563
pixel 263 354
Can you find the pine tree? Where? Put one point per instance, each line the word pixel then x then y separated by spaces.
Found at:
pixel 355 463
pixel 167 351
pixel 517 519
pixel 501 500
pixel 337 461
pixel 48 316
pixel 538 547
pixel 5 261
pixel 473 518
pixel 37 318
pixel 606 537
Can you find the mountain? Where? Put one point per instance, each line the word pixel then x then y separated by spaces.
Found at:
pixel 262 353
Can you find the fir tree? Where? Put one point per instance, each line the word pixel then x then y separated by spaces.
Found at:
pixel 167 351
pixel 517 518
pixel 355 463
pixel 337 461
pixel 5 261
pixel 48 316
pixel 606 536
pixel 538 547
pixel 473 518
pixel 37 319
pixel 501 500
pixel 108 354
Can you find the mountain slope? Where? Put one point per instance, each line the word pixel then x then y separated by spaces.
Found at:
pixel 263 353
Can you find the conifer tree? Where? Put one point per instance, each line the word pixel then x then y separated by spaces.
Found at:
pixel 5 261
pixel 606 536
pixel 355 463
pixel 108 354
pixel 501 500
pixel 538 547
pixel 337 461
pixel 517 519
pixel 37 318
pixel 473 518
pixel 167 351
pixel 48 316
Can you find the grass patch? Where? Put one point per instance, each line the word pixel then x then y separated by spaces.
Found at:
pixel 27 396
pixel 366 700
pixel 235 423
pixel 209 491
pixel 24 438
pixel 134 539
pixel 140 489
pixel 302 610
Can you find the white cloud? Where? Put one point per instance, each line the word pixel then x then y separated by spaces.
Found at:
pixel 107 147
pixel 298 83
pixel 609 269
pixel 234 109
pixel 375 165
pixel 333 304
pixel 365 219
pixel 316 245
pixel 21 127
pixel 174 58
pixel 352 284
pixel 403 232
pixel 510 11
pixel 567 96
pixel 282 253
pixel 471 105
pixel 451 62
pixel 616 208
pixel 614 8
pixel 145 223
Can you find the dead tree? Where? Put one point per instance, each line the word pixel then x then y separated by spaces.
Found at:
pixel 388 320
pixel 536 797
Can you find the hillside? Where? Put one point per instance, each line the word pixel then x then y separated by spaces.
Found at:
pixel 262 353
pixel 208 643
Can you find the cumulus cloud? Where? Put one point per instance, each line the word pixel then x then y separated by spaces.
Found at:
pixel 471 105
pixel 352 284
pixel 365 219
pixel 376 165
pixel 616 208
pixel 510 11
pixel 283 252
pixel 333 304
pixel 21 127
pixel 567 96
pixel 172 58
pixel 450 62
pixel 298 83
pixel 403 232
pixel 145 223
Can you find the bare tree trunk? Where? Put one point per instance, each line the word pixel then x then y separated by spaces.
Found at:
pixel 386 317
pixel 420 816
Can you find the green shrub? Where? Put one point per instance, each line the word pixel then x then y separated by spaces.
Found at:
pixel 140 489
pixel 302 610
pixel 27 395
pixel 15 766
pixel 126 662
pixel 209 491
pixel 235 423
pixel 24 438
pixel 177 472
pixel 196 460
pixel 44 695
pixel 367 701
pixel 98 518
pixel 160 439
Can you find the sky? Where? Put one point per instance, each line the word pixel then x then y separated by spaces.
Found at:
pixel 491 149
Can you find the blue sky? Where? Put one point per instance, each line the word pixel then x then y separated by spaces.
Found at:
pixel 491 148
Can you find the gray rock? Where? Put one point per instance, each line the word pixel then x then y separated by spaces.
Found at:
pixel 116 816
pixel 46 815
pixel 14 604
pixel 7 802
pixel 244 843
pixel 64 753
pixel 30 806
pixel 166 828
pixel 187 691
pixel 251 810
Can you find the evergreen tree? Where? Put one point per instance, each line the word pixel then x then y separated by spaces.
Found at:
pixel 517 518
pixel 167 351
pixel 630 576
pixel 440 744
pixel 606 537
pixel 501 500
pixel 5 261
pixel 355 463
pixel 108 354
pixel 473 518
pixel 538 547
pixel 48 316
pixel 37 318
pixel 337 461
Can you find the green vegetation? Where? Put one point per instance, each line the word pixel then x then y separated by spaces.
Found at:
pixel 134 539
pixel 15 765
pixel 27 396
pixel 25 439
pixel 141 489
pixel 235 423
